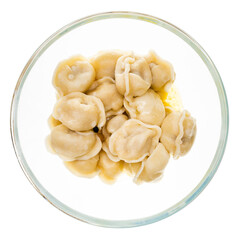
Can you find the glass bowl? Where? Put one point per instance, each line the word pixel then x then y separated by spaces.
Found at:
pixel 123 204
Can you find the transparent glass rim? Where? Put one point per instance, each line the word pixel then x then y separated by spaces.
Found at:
pixel 132 222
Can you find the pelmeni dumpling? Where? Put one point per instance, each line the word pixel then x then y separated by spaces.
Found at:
pixel 133 169
pixel 105 89
pixel 83 168
pixel 113 124
pixel 133 76
pixel 72 145
pixel 151 168
pixel 75 74
pixel 116 122
pixel 148 108
pixel 163 74
pixel 104 63
pixel 154 165
pixel 133 141
pixel 109 169
pixel 80 112
pixel 178 132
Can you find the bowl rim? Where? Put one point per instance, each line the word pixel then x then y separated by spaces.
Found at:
pixel 221 143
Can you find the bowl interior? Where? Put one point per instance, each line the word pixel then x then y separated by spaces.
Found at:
pixel 123 200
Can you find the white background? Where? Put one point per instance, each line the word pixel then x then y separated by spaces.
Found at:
pixel 24 214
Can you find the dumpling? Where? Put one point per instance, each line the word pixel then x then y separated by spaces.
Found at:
pixel 80 112
pixel 75 74
pixel 116 122
pixel 104 63
pixel 113 124
pixel 154 165
pixel 72 145
pixel 133 76
pixel 178 133
pixel 163 74
pixel 109 169
pixel 133 169
pixel 133 141
pixel 83 168
pixel 150 168
pixel 105 89
pixel 148 108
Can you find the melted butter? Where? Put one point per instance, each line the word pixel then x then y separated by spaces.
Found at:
pixel 172 98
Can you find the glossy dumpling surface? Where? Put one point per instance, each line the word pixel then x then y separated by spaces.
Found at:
pixel 83 168
pixel 148 108
pixel 75 74
pixel 80 112
pixel 116 122
pixel 105 89
pixel 104 63
pixel 109 170
pixel 132 168
pixel 133 141
pixel 178 132
pixel 154 165
pixel 163 74
pixel 133 76
pixel 113 124
pixel 72 145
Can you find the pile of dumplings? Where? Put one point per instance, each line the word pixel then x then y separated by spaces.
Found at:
pixel 114 113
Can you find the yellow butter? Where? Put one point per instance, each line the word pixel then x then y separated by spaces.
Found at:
pixel 172 98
